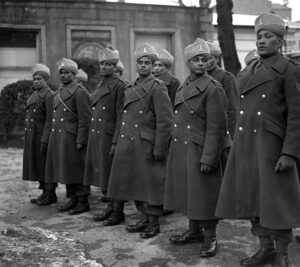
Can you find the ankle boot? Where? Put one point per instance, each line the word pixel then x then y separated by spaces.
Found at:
pixel 82 206
pixel 139 226
pixel 40 197
pixel 117 215
pixel 152 229
pixel 50 198
pixel 262 257
pixel 71 203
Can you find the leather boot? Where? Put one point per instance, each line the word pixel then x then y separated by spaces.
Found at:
pixel 40 197
pixel 209 247
pixel 49 198
pixel 280 261
pixel 104 215
pixel 82 206
pixel 71 203
pixel 117 216
pixel 189 236
pixel 152 228
pixel 262 257
pixel 139 226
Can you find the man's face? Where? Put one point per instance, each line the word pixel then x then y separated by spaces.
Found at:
pixel 197 65
pixel 159 68
pixel 144 66
pixel 66 76
pixel 106 68
pixel 211 63
pixel 268 43
pixel 38 82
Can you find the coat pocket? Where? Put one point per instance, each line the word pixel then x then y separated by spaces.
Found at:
pixel 71 128
pixel 148 136
pixel 196 138
pixel 274 128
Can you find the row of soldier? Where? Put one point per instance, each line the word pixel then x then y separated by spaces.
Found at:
pixel 166 145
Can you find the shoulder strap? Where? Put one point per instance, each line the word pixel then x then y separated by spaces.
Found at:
pixel 66 105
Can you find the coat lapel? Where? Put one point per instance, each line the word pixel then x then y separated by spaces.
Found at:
pixel 36 95
pixel 192 89
pixel 64 92
pixel 138 90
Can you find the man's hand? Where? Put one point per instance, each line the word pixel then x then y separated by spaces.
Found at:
pixel 44 148
pixel 284 163
pixel 79 146
pixel 112 150
pixel 204 168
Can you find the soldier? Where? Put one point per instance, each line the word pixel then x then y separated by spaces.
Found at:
pixel 37 130
pixel 161 70
pixel 119 69
pixel 193 168
pixel 107 110
pixel 81 77
pixel 261 181
pixel 68 139
pixel 229 84
pixel 138 169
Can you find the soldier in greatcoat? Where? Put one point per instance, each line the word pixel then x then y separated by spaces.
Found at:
pixel 261 181
pixel 37 130
pixel 107 110
pixel 193 169
pixel 138 169
pixel 161 70
pixel 229 83
pixel 68 139
pixel 81 77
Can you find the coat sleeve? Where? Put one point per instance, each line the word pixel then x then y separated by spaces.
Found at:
pixel 164 117
pixel 216 108
pixel 83 105
pixel 49 110
pixel 230 86
pixel 119 109
pixel 291 144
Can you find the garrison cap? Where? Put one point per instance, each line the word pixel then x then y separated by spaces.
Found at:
pixel 251 56
pixel 145 50
pixel 68 64
pixel 270 22
pixel 165 57
pixel 81 75
pixel 109 54
pixel 41 69
pixel 199 47
pixel 214 49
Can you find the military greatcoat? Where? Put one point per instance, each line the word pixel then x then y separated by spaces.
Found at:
pixel 70 126
pixel 198 136
pixel 145 132
pixel 229 84
pixel 172 84
pixel 37 130
pixel 107 110
pixel 268 127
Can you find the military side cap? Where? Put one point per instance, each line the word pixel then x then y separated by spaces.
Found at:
pixel 214 49
pixel 165 57
pixel 199 47
pixel 109 54
pixel 251 56
pixel 270 22
pixel 41 69
pixel 68 64
pixel 81 75
pixel 145 50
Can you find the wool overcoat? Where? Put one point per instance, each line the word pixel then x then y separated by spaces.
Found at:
pixel 107 110
pixel 37 130
pixel 70 126
pixel 268 126
pixel 172 84
pixel 229 84
pixel 145 131
pixel 198 136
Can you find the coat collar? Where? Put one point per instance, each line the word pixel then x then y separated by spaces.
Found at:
pixel 65 92
pixel 260 72
pixel 193 88
pixel 37 95
pixel 138 90
pixel 105 87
